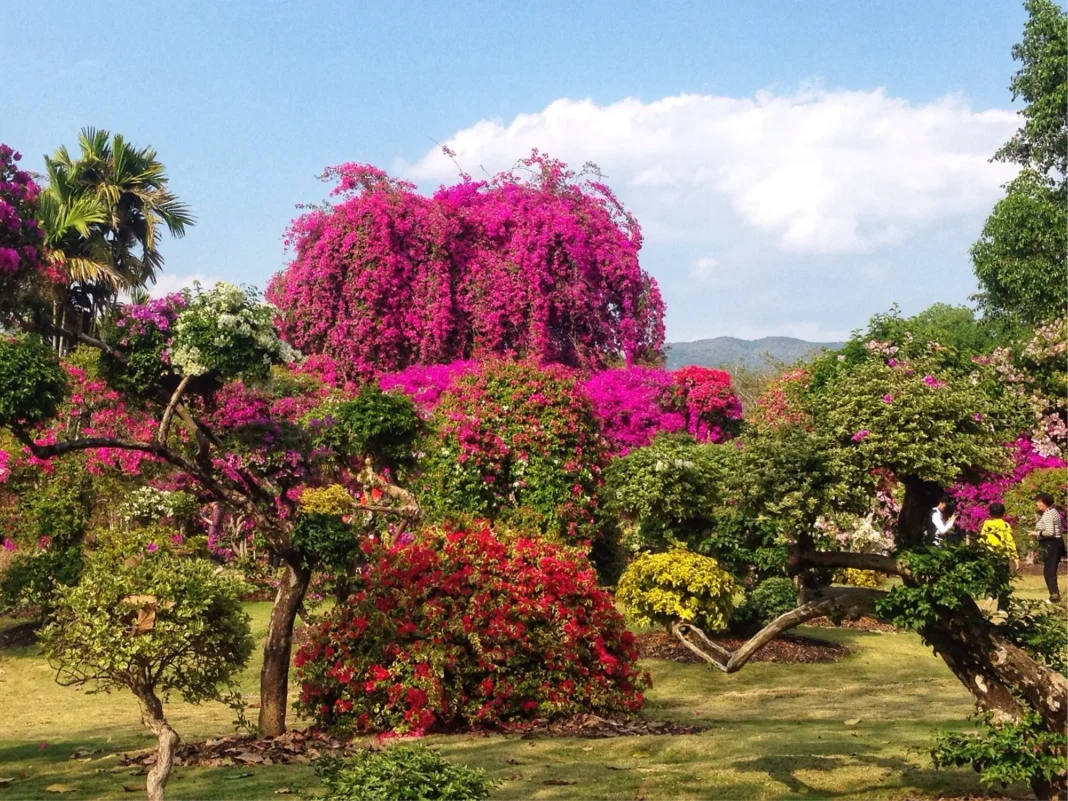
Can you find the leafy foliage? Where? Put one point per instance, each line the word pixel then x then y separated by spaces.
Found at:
pixel 375 423
pixel 768 600
pixel 409 771
pixel 1043 635
pixel 32 580
pixel 196 636
pixel 31 381
pixel 666 588
pixel 666 492
pixel 1005 753
pixel 947 579
pixel 1019 257
pixel 460 628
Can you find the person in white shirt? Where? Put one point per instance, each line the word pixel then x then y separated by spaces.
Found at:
pixel 939 526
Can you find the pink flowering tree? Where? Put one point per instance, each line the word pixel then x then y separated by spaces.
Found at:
pixel 193 390
pixel 22 262
pixel 536 263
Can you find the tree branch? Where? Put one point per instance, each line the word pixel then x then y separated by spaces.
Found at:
pixel 849 559
pixel 832 601
pixel 168 413
pixel 407 506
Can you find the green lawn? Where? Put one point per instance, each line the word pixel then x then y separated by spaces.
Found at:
pixel 773 731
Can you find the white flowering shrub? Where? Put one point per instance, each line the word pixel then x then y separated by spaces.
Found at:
pixel 228 331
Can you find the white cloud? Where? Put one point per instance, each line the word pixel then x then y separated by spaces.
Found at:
pixel 704 269
pixel 168 283
pixel 820 172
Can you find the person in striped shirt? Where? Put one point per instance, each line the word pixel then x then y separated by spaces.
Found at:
pixel 1048 532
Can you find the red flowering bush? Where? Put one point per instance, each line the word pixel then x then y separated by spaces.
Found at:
pixel 713 411
pixel 543 265
pixel 459 629
pixel 518 443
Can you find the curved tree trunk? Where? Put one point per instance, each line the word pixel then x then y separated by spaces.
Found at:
pixel 277 650
pixel 152 717
pixel 920 498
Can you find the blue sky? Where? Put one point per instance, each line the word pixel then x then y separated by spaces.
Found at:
pixel 796 166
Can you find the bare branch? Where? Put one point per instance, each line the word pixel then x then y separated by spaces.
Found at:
pixel 168 413
pixel 831 601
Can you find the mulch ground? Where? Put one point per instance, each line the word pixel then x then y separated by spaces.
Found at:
pixel 304 747
pixel 19 636
pixel 863 624
pixel 661 645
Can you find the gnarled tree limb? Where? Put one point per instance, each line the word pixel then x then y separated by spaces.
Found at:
pixel 168 413
pixel 830 601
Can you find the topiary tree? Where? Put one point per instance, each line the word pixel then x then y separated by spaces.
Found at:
pixel 870 413
pixel 536 263
pixel 152 624
pixel 677 588
pixel 518 443
pixel 462 627
pixel 666 494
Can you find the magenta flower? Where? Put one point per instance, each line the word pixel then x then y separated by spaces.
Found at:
pixel 44 543
pixel 888 398
pixel 9 544
pixel 152 547
pixel 892 363
pixel 977 417
pixel 861 435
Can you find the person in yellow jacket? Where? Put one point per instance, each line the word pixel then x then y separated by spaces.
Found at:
pixel 996 535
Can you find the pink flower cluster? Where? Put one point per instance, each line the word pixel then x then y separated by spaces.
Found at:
pixel 543 266
pixel 973 499
pixel 635 404
pixel 21 236
pixel 424 384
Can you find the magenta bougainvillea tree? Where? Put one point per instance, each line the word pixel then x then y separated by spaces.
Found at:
pixel 538 263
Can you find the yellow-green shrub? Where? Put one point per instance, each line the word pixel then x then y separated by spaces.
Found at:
pixel 854 577
pixel 667 588
pixel 332 499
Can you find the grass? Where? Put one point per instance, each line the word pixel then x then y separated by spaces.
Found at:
pixel 771 731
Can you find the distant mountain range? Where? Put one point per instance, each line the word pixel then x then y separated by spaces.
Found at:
pixel 727 352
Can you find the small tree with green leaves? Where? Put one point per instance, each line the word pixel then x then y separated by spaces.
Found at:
pixel 153 624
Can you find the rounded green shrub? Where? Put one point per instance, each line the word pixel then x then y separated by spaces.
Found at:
pixel 31 380
pixel 769 599
pixel 405 770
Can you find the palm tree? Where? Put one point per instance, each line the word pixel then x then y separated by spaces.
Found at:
pixel 103 214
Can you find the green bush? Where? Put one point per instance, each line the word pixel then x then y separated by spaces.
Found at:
pixel 30 583
pixel 664 493
pixel 198 633
pixel 769 599
pixel 375 423
pixel 678 586
pixel 408 771
pixel 31 380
